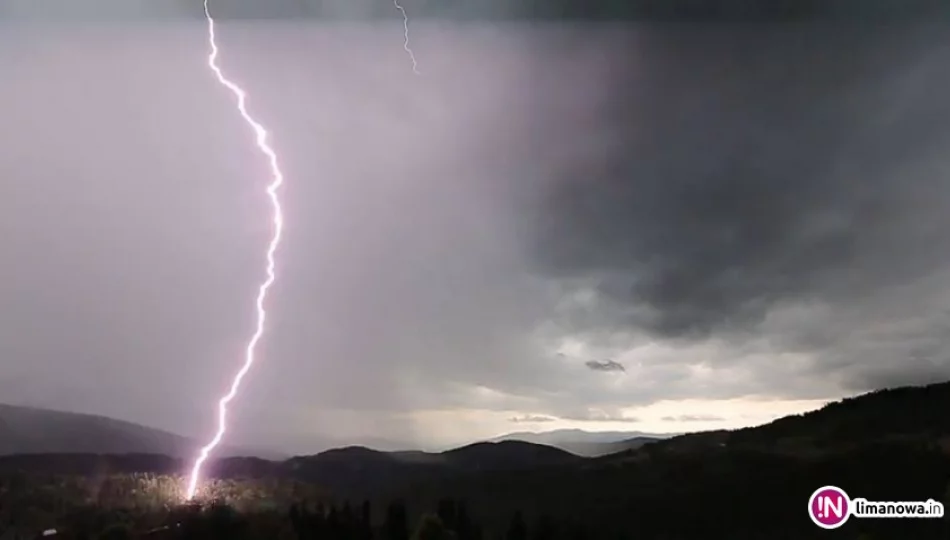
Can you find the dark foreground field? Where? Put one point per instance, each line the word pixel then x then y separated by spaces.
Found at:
pixel 746 484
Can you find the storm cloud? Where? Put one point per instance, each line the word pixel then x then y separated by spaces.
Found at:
pixel 751 172
pixel 748 219
pixel 604 365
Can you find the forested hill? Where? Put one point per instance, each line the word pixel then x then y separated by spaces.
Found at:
pixel 746 484
pixel 906 414
pixel 30 430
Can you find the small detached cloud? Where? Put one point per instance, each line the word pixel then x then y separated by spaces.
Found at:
pixel 531 419
pixel 606 365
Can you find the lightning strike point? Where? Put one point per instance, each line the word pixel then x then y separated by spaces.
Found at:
pixel 405 43
pixel 277 179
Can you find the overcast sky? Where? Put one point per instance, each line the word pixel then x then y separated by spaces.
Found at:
pixel 647 227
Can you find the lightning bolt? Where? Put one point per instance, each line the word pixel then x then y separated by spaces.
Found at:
pixel 405 43
pixel 277 179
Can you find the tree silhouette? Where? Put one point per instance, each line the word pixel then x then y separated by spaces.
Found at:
pixel 545 529
pixel 431 527
pixel 517 529
pixel 396 526
pixel 116 532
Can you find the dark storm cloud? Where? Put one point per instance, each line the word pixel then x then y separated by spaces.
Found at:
pixel 470 9
pixel 719 10
pixel 745 169
pixel 407 293
pixel 605 365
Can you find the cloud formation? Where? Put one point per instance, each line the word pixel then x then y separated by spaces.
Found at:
pixel 531 419
pixel 335 10
pixel 741 189
pixel 727 213
pixel 604 365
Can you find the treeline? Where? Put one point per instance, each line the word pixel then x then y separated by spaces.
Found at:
pixel 655 494
pixel 450 520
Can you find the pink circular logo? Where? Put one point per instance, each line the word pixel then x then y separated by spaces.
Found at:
pixel 829 507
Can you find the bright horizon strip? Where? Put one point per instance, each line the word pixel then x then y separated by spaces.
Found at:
pixel 278 221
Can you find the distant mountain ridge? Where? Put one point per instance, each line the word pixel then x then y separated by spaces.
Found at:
pixel 586 443
pixel 32 430
pixel 885 445
pixel 914 415
pixel 353 471
pixel 359 471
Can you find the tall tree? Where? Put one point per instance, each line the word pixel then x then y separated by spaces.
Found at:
pixel 431 527
pixel 517 529
pixel 396 526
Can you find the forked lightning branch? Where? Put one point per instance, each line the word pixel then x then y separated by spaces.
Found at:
pixel 275 182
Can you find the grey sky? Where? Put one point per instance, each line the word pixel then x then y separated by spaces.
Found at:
pixel 655 10
pixel 747 217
